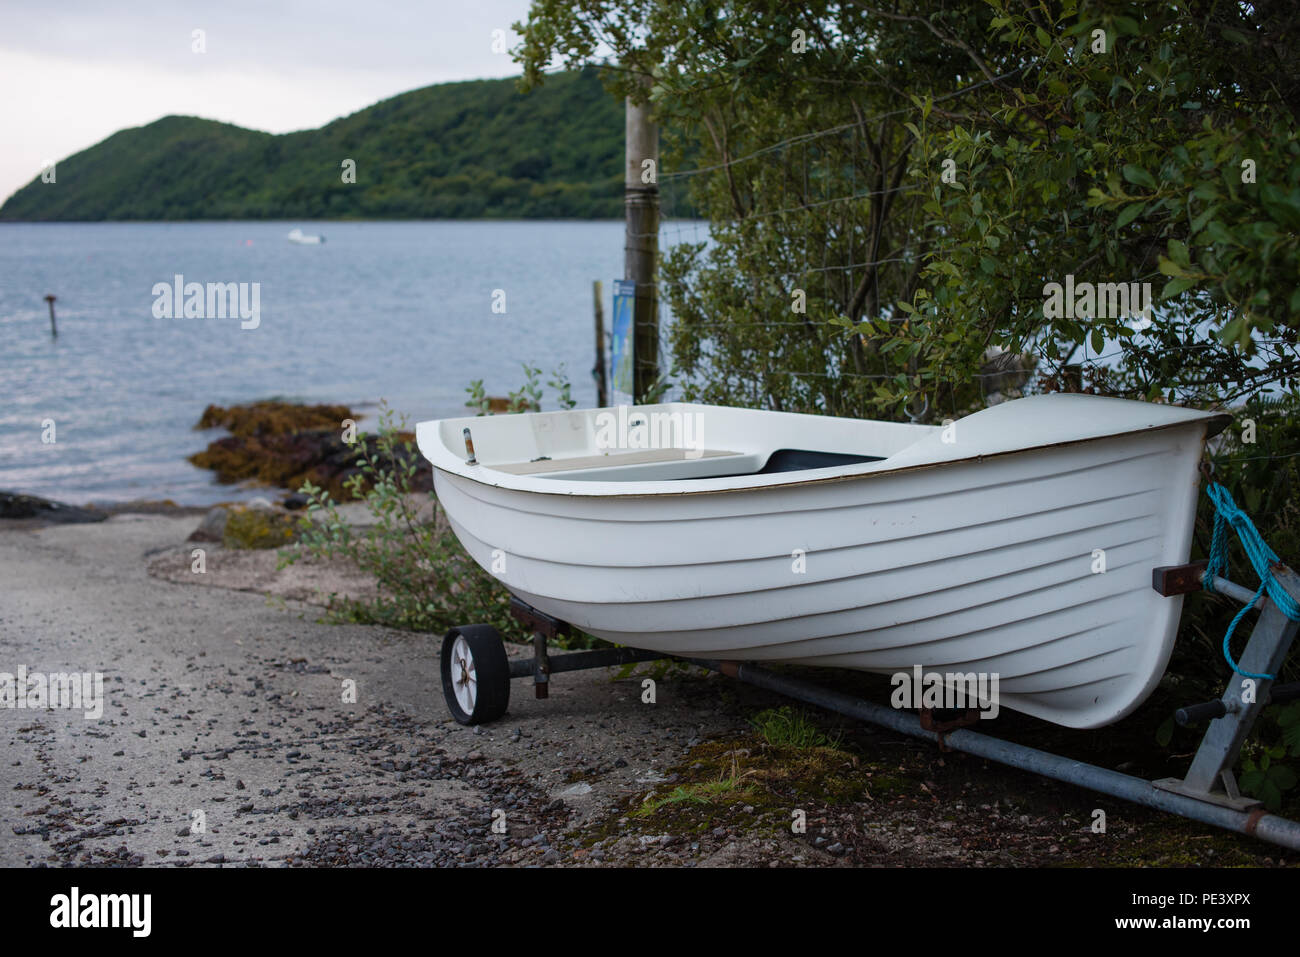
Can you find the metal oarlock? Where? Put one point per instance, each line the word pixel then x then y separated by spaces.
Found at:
pixel 1208 793
pixel 469 447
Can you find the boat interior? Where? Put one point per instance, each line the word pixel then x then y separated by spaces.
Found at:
pixel 667 443
pixel 674 464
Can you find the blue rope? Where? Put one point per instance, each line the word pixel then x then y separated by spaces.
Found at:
pixel 1261 559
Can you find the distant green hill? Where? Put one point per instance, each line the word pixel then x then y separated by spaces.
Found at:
pixel 455 150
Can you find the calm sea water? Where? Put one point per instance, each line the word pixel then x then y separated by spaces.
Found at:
pixel 393 311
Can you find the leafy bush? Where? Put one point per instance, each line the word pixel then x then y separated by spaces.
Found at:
pixel 1263 774
pixel 425 580
pixel 1256 459
pixel 527 398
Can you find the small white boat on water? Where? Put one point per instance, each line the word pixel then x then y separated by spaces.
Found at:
pixel 297 236
pixel 1017 541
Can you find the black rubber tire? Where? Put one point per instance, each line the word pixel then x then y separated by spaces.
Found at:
pixel 491 672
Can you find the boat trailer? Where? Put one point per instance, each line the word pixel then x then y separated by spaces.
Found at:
pixel 476 675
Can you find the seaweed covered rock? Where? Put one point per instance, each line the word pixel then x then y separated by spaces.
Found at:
pixel 274 417
pixel 283 445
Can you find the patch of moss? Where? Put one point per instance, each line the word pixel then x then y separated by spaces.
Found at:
pixel 1167 841
pixel 720 792
pixel 258 528
pixel 718 780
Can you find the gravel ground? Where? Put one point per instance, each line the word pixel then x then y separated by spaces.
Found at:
pixel 229 707
pixel 226 703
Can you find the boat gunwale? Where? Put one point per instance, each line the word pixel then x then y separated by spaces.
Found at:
pixel 672 487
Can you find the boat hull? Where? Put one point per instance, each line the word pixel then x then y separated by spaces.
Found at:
pixel 1033 566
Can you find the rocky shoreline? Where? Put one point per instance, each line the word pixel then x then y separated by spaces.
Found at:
pixel 272 444
pixel 284 445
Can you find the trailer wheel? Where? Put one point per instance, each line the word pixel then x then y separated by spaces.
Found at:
pixel 475 674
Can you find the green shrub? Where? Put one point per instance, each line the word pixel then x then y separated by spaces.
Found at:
pixel 1263 477
pixel 1257 459
pixel 425 580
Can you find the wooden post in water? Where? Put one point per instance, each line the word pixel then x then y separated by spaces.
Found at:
pixel 598 370
pixel 54 329
pixel 641 248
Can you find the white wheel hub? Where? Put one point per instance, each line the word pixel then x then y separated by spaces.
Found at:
pixel 464 680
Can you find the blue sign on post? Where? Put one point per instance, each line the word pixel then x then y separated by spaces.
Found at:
pixel 622 348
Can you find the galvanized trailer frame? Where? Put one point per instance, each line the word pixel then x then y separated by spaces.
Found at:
pixel 1207 793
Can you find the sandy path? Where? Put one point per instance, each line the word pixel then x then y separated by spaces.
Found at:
pixel 225 703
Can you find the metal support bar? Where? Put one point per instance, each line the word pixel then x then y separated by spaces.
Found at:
pixel 1170 580
pixel 583 660
pixel 1210 777
pixel 1244 595
pixel 538 622
pixel 541 666
pixel 1196 713
pixel 1268 827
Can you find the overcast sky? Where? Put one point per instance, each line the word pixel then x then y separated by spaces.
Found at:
pixel 75 71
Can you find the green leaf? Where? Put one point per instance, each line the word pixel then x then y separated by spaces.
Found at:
pixel 1288 715
pixel 1169 267
pixel 1175 287
pixel 1136 174
pixel 1220 235
pixel 1282 777
pixel 1199 222
pixel 1165 733
pixel 1129 213
pixel 1270 795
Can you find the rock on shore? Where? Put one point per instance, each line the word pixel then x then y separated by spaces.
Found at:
pixel 14 505
pixel 283 444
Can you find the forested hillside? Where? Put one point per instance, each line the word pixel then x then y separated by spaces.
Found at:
pixel 457 150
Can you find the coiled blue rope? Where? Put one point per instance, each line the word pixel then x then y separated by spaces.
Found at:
pixel 1261 557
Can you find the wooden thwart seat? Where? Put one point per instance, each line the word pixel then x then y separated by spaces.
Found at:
pixel 610 460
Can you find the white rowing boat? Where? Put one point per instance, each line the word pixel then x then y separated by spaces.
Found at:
pixel 1016 542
